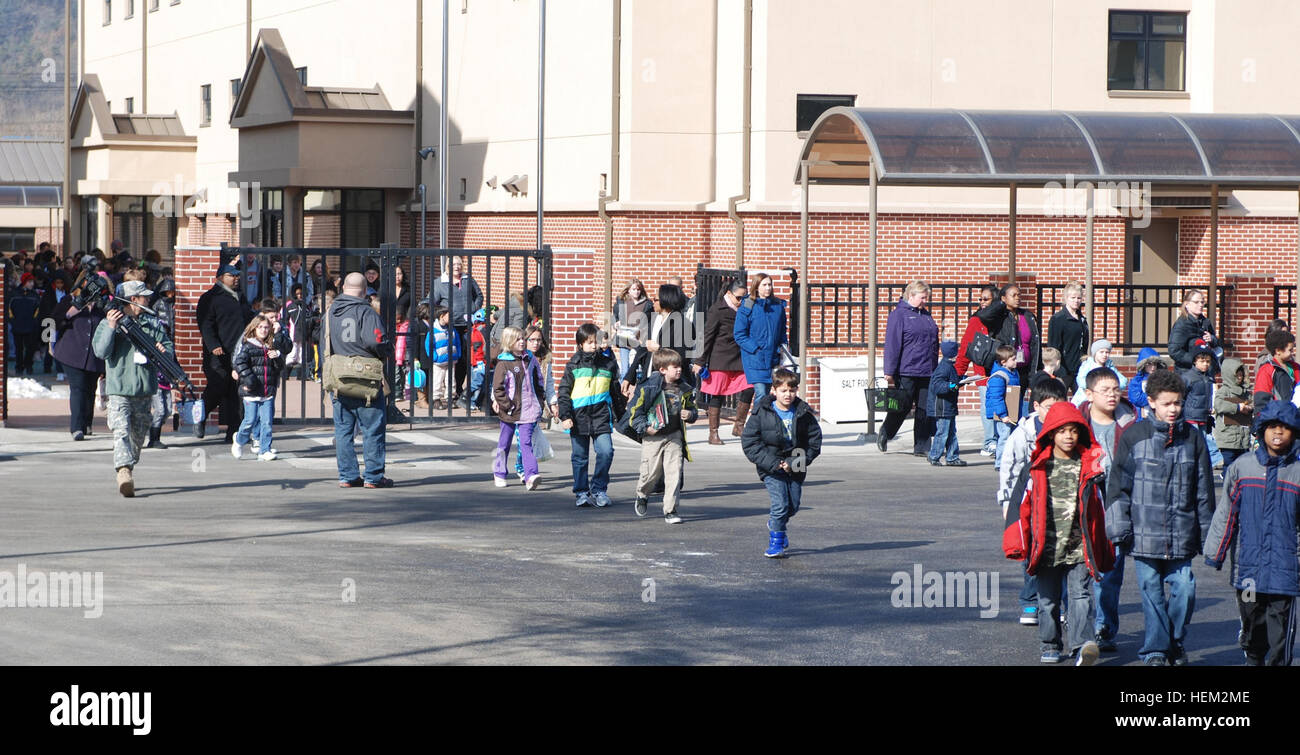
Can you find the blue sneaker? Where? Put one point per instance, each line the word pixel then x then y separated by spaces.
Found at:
pixel 1050 656
pixel 600 500
pixel 583 499
pixel 774 549
pixel 1029 616
pixel 785 542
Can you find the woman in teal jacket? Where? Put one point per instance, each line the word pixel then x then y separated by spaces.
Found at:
pixel 759 331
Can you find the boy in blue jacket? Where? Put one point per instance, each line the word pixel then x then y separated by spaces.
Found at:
pixel 1003 376
pixel 942 405
pixel 1256 528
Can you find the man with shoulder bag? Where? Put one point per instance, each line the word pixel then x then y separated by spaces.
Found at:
pixel 352 353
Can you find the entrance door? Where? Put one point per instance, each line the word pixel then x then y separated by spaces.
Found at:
pixel 1152 270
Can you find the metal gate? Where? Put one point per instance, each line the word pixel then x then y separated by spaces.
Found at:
pixel 504 277
pixel 709 285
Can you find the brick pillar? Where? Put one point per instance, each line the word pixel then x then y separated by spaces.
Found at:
pixel 1250 310
pixel 195 269
pixel 571 301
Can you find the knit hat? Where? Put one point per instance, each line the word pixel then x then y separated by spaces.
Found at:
pixel 1098 345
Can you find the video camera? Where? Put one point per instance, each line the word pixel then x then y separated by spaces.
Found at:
pixel 91 288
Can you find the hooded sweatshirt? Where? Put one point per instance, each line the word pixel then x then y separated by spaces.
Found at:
pixel 355 329
pixel 1233 429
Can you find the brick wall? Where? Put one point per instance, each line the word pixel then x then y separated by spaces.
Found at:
pixel 1246 245
pixel 195 270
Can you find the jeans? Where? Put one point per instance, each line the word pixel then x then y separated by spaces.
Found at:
pixel 352 415
pixel 760 389
pixel 81 397
pixel 1230 455
pixel 1106 591
pixel 1166 618
pixel 922 424
pixel 580 446
pixel 507 439
pixel 1028 593
pixel 624 356
pixel 1003 433
pixel 1216 458
pixel 1079 588
pixel 786 493
pixel 945 439
pixel 257 425
pixel 476 381
pixel 990 433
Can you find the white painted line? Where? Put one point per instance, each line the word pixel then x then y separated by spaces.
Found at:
pixel 421 439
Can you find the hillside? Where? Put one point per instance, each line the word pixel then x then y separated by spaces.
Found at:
pixel 31 90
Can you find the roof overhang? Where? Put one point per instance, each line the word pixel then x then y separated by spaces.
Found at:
pixel 1042 148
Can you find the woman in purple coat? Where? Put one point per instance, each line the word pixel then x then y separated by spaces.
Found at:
pixel 911 353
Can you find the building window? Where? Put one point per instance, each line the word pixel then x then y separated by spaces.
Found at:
pixel 130 105
pixel 1148 51
pixel 235 88
pixel 130 9
pixel 108 12
pixel 205 105
pixel 153 5
pixel 809 107
pixel 302 75
pixel 1137 254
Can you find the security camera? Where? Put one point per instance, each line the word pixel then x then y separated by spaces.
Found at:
pixel 509 184
pixel 427 152
pixel 522 185
pixel 492 182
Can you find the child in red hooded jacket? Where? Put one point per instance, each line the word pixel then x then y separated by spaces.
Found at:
pixel 1060 529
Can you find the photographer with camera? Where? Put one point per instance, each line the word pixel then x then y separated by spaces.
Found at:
pixel 132 380
pixel 75 320
pixel 221 316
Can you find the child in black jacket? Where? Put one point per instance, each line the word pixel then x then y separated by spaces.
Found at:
pixel 257 365
pixel 782 438
pixel 942 405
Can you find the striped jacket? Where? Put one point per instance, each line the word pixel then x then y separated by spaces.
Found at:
pixel 442 341
pixel 588 393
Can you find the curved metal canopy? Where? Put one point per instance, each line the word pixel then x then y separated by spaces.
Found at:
pixel 1027 148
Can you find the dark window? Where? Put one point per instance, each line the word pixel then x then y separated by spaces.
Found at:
pixel 108 12
pixel 13 239
pixel 302 75
pixel 1148 51
pixel 205 105
pixel 130 105
pixel 1137 254
pixel 235 87
pixel 809 107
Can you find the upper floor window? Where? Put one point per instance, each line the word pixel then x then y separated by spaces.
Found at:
pixel 108 12
pixel 153 5
pixel 302 75
pixel 235 86
pixel 130 9
pixel 1148 51
pixel 130 105
pixel 809 107
pixel 205 105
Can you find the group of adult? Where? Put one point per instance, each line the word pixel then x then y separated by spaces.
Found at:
pixel 732 343
pixel 912 348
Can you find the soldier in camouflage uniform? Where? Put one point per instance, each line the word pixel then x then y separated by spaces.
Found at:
pixel 131 379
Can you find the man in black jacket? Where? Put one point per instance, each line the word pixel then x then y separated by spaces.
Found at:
pixel 355 330
pixel 221 316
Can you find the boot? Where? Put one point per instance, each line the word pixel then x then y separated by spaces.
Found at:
pixel 155 438
pixel 125 484
pixel 714 421
pixel 742 412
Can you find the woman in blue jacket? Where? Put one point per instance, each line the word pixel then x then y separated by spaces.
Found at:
pixel 759 332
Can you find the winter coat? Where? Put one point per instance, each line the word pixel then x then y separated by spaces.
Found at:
pixel 1070 336
pixel 442 344
pixel 995 398
pixel 676 333
pixel 1081 378
pixel 1256 524
pixel 1125 417
pixel 1137 391
pixel 635 315
pixel 720 352
pixel 508 380
pixel 221 317
pixel 1187 330
pixel 1016 456
pixel 1160 491
pixel 759 331
pixel 647 392
pixel 973 327
pixel 941 402
pixel 478 343
pixel 1025 528
pixel 1002 326
pixel 1196 404
pixel 73 336
pixel 1273 382
pixel 462 300
pixel 911 342
pixel 24 303
pixel 766 445
pixel 259 375
pixel 588 393
pixel 124 377
pixel 1232 428
pixel 353 316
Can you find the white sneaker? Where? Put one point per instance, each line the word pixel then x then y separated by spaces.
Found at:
pixel 986 452
pixel 257 447
pixel 61 377
pixel 268 456
pixel 531 483
pixel 500 482
pixel 237 449
pixel 672 519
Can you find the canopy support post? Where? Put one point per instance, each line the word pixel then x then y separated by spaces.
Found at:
pixel 1011 239
pixel 1087 274
pixel 803 277
pixel 872 300
pixel 1211 295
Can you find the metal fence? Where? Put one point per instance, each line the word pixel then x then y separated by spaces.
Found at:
pixel 837 312
pixel 500 274
pixel 1134 316
pixel 1284 304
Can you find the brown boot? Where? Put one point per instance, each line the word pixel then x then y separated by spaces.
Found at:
pixel 422 397
pixel 125 484
pixel 714 421
pixel 742 411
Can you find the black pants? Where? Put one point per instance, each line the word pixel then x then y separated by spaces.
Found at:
pixel 81 397
pixel 221 394
pixel 461 371
pixel 1267 629
pixel 744 397
pixel 922 424
pixel 26 345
